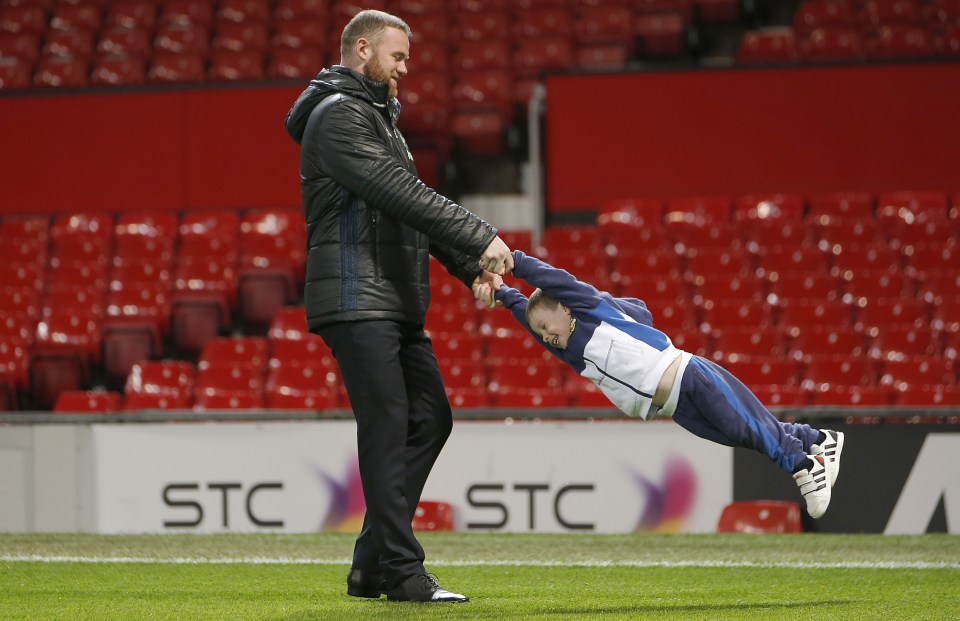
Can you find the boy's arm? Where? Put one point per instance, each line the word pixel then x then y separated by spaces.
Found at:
pixel 636 310
pixel 557 283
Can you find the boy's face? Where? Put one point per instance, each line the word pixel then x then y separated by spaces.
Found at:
pixel 553 325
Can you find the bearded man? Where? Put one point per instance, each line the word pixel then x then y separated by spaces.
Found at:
pixel 372 226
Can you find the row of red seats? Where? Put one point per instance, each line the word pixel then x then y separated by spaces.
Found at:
pixel 831 30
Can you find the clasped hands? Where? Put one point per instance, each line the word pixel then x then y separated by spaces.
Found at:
pixel 495 261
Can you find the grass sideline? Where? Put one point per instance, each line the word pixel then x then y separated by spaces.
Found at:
pixel 582 576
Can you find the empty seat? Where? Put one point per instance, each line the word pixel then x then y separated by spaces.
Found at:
pixel 697 210
pixel 819 339
pixel 289 323
pixel 767 46
pixel 910 206
pixel 483 25
pixel 479 55
pixel 137 320
pixel 900 41
pixel 18 327
pixel 204 294
pixel 736 343
pixel 15 73
pixel 118 70
pixel 879 314
pixel 310 348
pixel 866 396
pixel 760 516
pixel 808 313
pixel 721 313
pixel 841 370
pixel 125 41
pixel 804 285
pixel 229 386
pixel 76 17
pixel 131 14
pixel 21 275
pixel 488 89
pixel 541 374
pixel 152 236
pixel 23 19
pixel 463 373
pixel 846 230
pixel 69 44
pixel 856 258
pixel 209 232
pixel 14 369
pixel 660 35
pixel 292 9
pixel 824 14
pixel 911 372
pixel 61 72
pixel 88 402
pixel 242 11
pixel 531 57
pixel 603 23
pixel 779 207
pixel 832 43
pixel 523 398
pixel 776 396
pixel 176 67
pixel 272 262
pixel 236 65
pixel 301 62
pixel 301 385
pixel 766 233
pixel 883 284
pixel 929 395
pixel 706 260
pixel 65 346
pixel 897 343
pixel 461 398
pixel 840 204
pixel 159 385
pixel 300 32
pixel 780 259
pixel 458 345
pixel 744 287
pixel 186 13
pixel 250 351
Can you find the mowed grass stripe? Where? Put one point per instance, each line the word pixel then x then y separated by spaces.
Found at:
pixel 487 563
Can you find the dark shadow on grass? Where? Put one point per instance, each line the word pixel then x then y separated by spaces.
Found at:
pixel 417 611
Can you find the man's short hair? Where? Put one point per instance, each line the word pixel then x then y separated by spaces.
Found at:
pixel 369 25
pixel 539 299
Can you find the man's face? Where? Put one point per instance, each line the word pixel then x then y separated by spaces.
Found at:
pixel 553 325
pixel 387 59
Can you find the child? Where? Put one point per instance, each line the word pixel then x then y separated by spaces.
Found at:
pixel 612 342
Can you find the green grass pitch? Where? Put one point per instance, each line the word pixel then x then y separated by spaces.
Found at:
pixel 547 577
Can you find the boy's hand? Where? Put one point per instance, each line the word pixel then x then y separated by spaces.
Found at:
pixel 484 288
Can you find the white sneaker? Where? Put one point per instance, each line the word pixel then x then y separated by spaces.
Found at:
pixel 814 486
pixel 830 449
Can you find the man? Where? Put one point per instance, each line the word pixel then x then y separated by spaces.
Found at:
pixel 372 225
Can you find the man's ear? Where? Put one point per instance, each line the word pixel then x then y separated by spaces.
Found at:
pixel 565 309
pixel 363 48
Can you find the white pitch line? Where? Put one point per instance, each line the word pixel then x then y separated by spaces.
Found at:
pixel 258 560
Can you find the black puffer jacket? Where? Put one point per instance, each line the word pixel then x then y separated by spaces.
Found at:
pixel 371 222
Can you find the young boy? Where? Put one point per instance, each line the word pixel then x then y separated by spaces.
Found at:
pixel 612 342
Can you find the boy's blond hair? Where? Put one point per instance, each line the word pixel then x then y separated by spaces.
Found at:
pixel 539 299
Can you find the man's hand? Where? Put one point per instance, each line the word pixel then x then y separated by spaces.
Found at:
pixel 485 286
pixel 497 258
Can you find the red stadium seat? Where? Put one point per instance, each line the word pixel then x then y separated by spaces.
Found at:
pixel 229 386
pixel 749 210
pixel 479 132
pixel 300 32
pixel 15 73
pixel 893 342
pixel 131 14
pixel 922 260
pixel 432 516
pixel 488 89
pixel 744 287
pixel 146 235
pixel 526 374
pixel 241 36
pixel 846 230
pixel 697 210
pixel 14 363
pixel 458 345
pixel 555 21
pixel 272 262
pixel 585 394
pixel 515 349
pixel 819 340
pixel 736 343
pixel 660 35
pixel 461 398
pixel 186 13
pixel 842 370
pixel 21 275
pixel 88 402
pixel 923 233
pixel 900 41
pixel 531 57
pixel 18 327
pixel 599 55
pixel 910 372
pixel 300 386
pixel 154 275
pixel 840 204
pixel 23 19
pixel 76 17
pixel 65 347
pixel 831 394
pixel 929 395
pixel 703 261
pixel 670 315
pixel 710 235
pixel 289 323
pixel 803 313
pixel 785 396
pixel 523 398
pixel 486 25
pixel 77 298
pixel 452 317
pixel 242 11
pixel 463 373
pixel 430 27
pixel 479 55
pixel 137 319
pixel 767 46
pixel 204 293
pixel 879 314
pixel 118 70
pixel 61 72
pixel 293 9
pixel 804 285
pixel 694 341
pixel 760 516
pixel 68 44
pixel 160 385
pixel 780 259
pixel 236 65
pixel 177 38
pixel 946 309
pixel 603 23
pixel 20 301
pixel 856 258
pixel 308 349
pixel 248 351
pixel 832 43
pixel 732 313
pixel 824 14
pixel 301 62
pixel 765 372
pixel 175 67
pixel 418 7
pixel 885 284
pixel 878 13
pixel 894 208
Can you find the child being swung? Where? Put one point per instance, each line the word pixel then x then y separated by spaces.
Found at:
pixel 612 342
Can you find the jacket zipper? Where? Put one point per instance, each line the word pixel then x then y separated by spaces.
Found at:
pixel 375 250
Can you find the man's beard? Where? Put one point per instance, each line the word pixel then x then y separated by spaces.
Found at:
pixel 375 71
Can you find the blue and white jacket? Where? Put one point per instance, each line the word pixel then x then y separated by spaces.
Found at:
pixel 614 344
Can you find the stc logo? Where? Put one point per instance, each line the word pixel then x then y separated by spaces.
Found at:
pixel 189 500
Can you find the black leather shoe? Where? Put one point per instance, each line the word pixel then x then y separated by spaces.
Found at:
pixel 365 584
pixel 423 588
